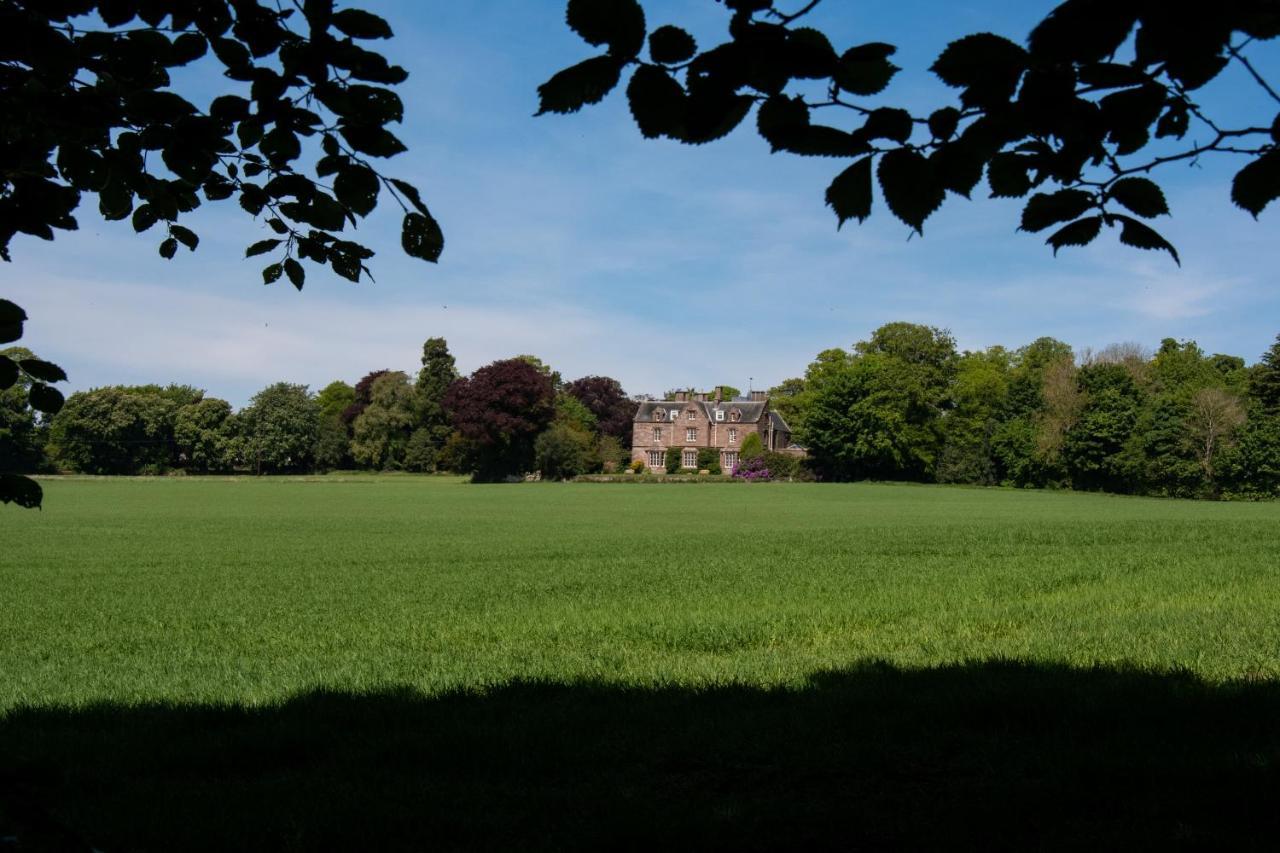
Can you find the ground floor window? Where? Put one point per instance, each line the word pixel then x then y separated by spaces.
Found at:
pixel 655 459
pixel 730 462
pixel 690 459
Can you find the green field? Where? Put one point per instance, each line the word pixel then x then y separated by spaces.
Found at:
pixel 325 661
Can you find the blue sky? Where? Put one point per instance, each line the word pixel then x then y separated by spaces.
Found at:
pixel 662 265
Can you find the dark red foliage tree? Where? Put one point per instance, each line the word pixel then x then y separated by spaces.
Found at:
pixel 364 393
pixel 500 409
pixel 604 397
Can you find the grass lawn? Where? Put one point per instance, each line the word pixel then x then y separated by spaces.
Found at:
pixel 414 662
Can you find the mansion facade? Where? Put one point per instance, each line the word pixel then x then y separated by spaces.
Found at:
pixel 695 421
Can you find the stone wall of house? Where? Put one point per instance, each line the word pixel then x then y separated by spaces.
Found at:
pixel 711 433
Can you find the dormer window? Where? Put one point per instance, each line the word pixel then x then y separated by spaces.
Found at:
pixel 674 414
pixel 735 415
pixel 719 414
pixel 659 414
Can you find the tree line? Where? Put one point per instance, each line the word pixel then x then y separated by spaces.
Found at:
pixel 507 418
pixel 906 404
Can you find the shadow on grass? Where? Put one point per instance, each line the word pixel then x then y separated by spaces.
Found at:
pixel 996 755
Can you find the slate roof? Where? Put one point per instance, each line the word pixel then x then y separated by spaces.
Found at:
pixel 751 411
pixel 779 422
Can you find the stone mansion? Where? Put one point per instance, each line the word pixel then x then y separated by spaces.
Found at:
pixel 694 421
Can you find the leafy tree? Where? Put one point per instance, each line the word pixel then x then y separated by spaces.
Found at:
pixel 978 398
pixel 333 446
pixel 87 98
pixel 1252 467
pixel 1103 93
pixel 672 462
pixel 613 410
pixel 421 453
pixel 438 372
pixel 21 448
pixel 543 368
pixel 572 413
pixel 1097 448
pixel 120 429
pixel 204 434
pixel 752 446
pixel 1212 422
pixel 24 385
pixel 334 399
pixel 500 409
pixel 363 393
pixel 562 452
pixel 382 431
pixel 279 429
pixel 709 460
pixel 1264 380
pixel 611 455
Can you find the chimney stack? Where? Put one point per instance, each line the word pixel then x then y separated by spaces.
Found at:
pixel 757 396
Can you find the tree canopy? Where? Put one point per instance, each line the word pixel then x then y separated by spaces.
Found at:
pixel 1075 120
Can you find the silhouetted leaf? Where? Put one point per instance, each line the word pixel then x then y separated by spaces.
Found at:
pixel 372 140
pixel 360 24
pixel 11 320
pixel 46 399
pixel 1079 233
pixel 45 371
pixel 850 193
pixel 1007 175
pixel 347 266
pixel 144 217
pixel 957 167
pixel 1083 30
pixel 1140 195
pixel 712 114
pixel 1129 114
pixel 943 123
pixel 168 248
pixel 261 247
pixel 986 66
pixel 585 83
pixel 23 491
pixel 271 273
pixel 888 123
pixel 1257 184
pixel 909 187
pixel 781 119
pixel 810 55
pixel 297 275
pixel 1045 209
pixel 1175 121
pixel 1110 75
pixel 616 23
pixel 8 372
pixel 357 188
pixel 185 236
pixel 656 101
pixel 1140 236
pixel 410 192
pixel 671 45
pixel 1275 129
pixel 866 69
pixel 421 237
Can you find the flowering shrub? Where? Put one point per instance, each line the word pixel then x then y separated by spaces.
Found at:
pixel 753 470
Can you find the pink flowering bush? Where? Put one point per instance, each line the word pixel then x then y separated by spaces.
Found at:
pixel 753 470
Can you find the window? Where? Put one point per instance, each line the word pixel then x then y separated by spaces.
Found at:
pixel 674 414
pixel 657 435
pixel 691 434
pixel 659 414
pixel 691 415
pixel 655 459
pixel 730 461
pixel 719 414
pixel 690 459
pixel 735 415
pixel 733 435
